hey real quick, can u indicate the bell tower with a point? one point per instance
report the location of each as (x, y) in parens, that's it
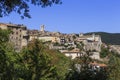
(42, 28)
(93, 35)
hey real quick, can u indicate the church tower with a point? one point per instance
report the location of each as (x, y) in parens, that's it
(42, 28)
(93, 35)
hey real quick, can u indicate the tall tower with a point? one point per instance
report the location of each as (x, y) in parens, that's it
(81, 34)
(93, 35)
(42, 28)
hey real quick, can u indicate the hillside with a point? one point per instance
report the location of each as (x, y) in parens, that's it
(108, 38)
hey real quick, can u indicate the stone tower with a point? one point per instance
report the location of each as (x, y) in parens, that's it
(93, 35)
(81, 34)
(42, 28)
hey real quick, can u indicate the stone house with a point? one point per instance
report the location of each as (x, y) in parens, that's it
(91, 42)
(18, 37)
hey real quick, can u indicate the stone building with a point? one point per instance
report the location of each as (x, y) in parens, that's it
(91, 42)
(115, 48)
(33, 34)
(42, 28)
(18, 37)
(71, 53)
(44, 35)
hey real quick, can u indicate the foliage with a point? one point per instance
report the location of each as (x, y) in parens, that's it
(114, 67)
(80, 45)
(82, 66)
(56, 44)
(82, 70)
(34, 62)
(61, 63)
(8, 58)
(70, 48)
(104, 52)
(38, 62)
(22, 6)
(4, 36)
(74, 37)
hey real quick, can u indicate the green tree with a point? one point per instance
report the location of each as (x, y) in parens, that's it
(4, 36)
(81, 68)
(38, 62)
(34, 62)
(61, 62)
(114, 67)
(8, 58)
(104, 52)
(22, 6)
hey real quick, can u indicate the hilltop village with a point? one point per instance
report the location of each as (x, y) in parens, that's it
(68, 44)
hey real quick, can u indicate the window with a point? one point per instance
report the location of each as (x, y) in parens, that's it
(16, 37)
(20, 36)
(11, 37)
(16, 32)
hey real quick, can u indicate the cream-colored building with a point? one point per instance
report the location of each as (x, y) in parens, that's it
(44, 38)
(115, 48)
(18, 37)
(49, 38)
(43, 35)
(76, 53)
(71, 53)
(95, 55)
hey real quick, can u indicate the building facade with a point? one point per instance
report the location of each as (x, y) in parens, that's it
(91, 42)
(18, 37)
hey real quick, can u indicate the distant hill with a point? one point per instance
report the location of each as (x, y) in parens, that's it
(108, 38)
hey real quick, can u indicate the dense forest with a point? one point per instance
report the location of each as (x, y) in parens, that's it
(108, 38)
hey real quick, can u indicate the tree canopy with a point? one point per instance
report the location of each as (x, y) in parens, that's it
(34, 62)
(22, 6)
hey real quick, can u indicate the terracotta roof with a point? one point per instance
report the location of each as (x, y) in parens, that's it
(99, 64)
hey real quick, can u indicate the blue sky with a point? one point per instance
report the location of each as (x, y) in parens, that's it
(73, 16)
